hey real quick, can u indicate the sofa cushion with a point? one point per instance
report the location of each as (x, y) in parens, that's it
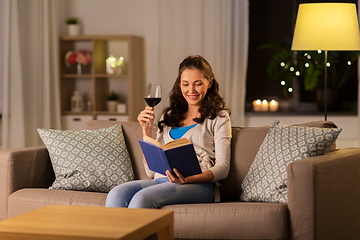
(29, 199)
(232, 220)
(88, 160)
(266, 180)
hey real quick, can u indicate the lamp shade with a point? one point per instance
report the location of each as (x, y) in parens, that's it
(326, 26)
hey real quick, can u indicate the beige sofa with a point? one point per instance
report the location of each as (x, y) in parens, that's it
(323, 192)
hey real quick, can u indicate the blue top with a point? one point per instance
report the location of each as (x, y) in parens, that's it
(178, 132)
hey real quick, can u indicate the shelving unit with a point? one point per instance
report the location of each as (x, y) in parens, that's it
(94, 84)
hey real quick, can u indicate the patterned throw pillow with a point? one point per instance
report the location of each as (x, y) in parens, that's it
(266, 180)
(95, 160)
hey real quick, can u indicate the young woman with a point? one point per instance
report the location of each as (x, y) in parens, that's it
(197, 112)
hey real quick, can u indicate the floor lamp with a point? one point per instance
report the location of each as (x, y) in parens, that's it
(326, 27)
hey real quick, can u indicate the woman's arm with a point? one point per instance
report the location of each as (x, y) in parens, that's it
(222, 139)
(146, 120)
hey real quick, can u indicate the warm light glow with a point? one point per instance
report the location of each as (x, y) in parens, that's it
(292, 69)
(282, 64)
(265, 106)
(273, 106)
(349, 63)
(297, 73)
(257, 105)
(326, 26)
(328, 64)
(111, 60)
(290, 89)
(282, 83)
(307, 65)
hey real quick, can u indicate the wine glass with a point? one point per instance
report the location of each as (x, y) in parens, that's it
(152, 95)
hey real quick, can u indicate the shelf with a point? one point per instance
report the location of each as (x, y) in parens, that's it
(111, 76)
(76, 75)
(110, 113)
(308, 113)
(121, 76)
(76, 113)
(96, 84)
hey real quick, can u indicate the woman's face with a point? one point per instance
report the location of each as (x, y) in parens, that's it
(194, 86)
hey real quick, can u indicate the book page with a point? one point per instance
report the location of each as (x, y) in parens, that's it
(176, 143)
(173, 144)
(152, 141)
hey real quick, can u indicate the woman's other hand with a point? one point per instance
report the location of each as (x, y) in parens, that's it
(180, 179)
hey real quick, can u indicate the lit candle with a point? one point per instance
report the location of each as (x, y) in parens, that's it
(265, 106)
(257, 105)
(273, 106)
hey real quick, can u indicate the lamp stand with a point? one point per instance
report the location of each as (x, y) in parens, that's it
(325, 105)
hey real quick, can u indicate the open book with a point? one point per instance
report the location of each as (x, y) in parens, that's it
(179, 154)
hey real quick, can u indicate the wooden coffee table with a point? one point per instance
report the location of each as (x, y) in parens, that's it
(83, 222)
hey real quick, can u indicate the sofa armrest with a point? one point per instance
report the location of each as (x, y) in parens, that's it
(23, 168)
(324, 196)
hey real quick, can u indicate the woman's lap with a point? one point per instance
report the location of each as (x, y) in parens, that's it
(157, 193)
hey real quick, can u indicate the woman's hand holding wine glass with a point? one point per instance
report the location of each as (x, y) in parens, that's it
(152, 98)
(146, 116)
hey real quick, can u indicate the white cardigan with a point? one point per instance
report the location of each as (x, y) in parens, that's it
(212, 143)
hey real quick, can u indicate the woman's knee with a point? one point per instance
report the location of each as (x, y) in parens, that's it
(116, 198)
(143, 200)
(121, 195)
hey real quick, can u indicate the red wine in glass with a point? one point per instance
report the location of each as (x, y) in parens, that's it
(152, 102)
(152, 95)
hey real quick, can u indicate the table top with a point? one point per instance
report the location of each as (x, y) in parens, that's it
(75, 222)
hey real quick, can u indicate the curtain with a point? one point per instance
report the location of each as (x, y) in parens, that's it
(30, 74)
(215, 29)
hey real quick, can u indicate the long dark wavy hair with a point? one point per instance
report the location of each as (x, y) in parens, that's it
(211, 105)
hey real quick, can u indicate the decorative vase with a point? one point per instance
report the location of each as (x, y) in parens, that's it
(112, 106)
(77, 102)
(73, 29)
(79, 68)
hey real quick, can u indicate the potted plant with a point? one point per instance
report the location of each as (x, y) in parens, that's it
(285, 65)
(73, 26)
(112, 101)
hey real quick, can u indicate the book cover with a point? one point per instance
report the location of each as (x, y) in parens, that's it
(181, 155)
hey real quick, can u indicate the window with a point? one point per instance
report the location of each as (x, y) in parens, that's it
(273, 22)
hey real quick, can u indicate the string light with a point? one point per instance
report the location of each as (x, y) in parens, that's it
(292, 69)
(282, 64)
(307, 65)
(297, 73)
(290, 89)
(282, 83)
(319, 51)
(328, 64)
(349, 63)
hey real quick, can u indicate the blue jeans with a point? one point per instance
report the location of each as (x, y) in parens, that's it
(157, 193)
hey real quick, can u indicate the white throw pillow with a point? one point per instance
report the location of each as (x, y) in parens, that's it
(88, 160)
(266, 180)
